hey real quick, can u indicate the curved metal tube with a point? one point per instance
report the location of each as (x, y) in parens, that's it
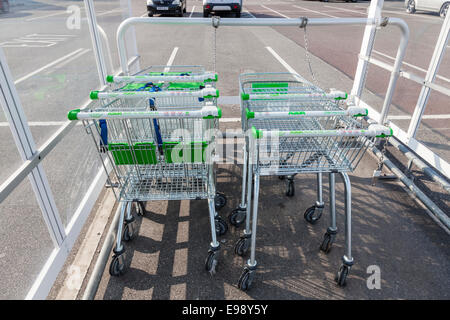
(123, 27)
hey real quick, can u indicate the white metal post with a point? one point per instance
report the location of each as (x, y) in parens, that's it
(366, 50)
(433, 68)
(131, 38)
(9, 99)
(96, 41)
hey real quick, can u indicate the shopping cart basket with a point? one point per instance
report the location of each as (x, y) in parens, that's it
(181, 169)
(300, 129)
(166, 87)
(282, 92)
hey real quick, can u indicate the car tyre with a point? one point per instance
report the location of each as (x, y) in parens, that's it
(411, 6)
(444, 10)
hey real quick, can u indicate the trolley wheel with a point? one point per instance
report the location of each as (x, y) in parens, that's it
(129, 231)
(242, 246)
(221, 226)
(140, 208)
(327, 242)
(238, 216)
(309, 215)
(220, 200)
(246, 279)
(211, 262)
(342, 274)
(117, 266)
(290, 189)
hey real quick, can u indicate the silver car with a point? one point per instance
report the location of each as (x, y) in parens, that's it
(440, 6)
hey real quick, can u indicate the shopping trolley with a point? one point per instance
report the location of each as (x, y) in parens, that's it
(181, 169)
(296, 128)
(269, 92)
(167, 87)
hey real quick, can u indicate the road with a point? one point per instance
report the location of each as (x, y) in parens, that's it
(54, 69)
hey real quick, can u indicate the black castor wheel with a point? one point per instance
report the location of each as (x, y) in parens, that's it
(290, 191)
(342, 275)
(220, 200)
(117, 266)
(237, 216)
(246, 279)
(211, 262)
(140, 208)
(309, 214)
(221, 226)
(129, 231)
(327, 242)
(242, 246)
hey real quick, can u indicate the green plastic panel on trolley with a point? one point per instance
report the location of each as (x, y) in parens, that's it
(280, 87)
(144, 153)
(174, 152)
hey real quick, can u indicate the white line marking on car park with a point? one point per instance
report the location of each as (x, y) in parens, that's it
(275, 11)
(192, 11)
(46, 16)
(410, 65)
(171, 58)
(35, 40)
(248, 12)
(116, 10)
(74, 57)
(342, 9)
(41, 123)
(51, 64)
(318, 12)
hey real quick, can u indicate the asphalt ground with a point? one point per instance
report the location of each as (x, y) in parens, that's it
(47, 95)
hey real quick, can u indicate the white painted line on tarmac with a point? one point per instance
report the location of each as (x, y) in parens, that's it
(342, 9)
(425, 116)
(73, 58)
(409, 64)
(192, 11)
(248, 12)
(171, 58)
(45, 16)
(281, 60)
(230, 120)
(275, 11)
(41, 123)
(51, 64)
(318, 12)
(110, 11)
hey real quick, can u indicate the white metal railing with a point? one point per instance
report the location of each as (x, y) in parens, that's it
(407, 138)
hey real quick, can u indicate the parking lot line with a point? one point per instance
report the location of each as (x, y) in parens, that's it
(314, 11)
(192, 11)
(342, 9)
(172, 57)
(51, 64)
(45, 16)
(275, 11)
(248, 12)
(409, 64)
(281, 60)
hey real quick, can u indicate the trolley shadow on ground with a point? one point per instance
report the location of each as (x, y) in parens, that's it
(389, 231)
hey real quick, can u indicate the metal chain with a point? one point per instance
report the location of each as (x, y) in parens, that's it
(308, 58)
(215, 23)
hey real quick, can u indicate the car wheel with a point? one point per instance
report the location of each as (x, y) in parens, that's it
(444, 10)
(150, 14)
(205, 14)
(411, 7)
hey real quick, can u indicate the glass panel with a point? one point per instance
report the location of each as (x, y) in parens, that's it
(49, 52)
(434, 130)
(25, 243)
(71, 168)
